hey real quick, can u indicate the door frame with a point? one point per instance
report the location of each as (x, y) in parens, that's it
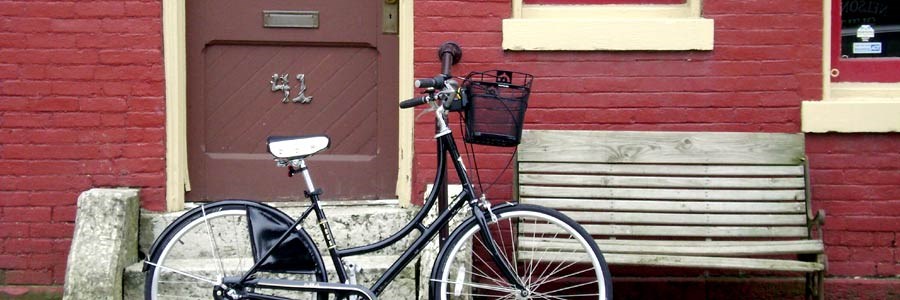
(175, 65)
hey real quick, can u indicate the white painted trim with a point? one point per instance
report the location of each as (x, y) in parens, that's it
(174, 61)
(406, 118)
(608, 34)
(607, 27)
(851, 116)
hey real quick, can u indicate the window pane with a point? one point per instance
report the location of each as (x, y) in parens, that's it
(870, 28)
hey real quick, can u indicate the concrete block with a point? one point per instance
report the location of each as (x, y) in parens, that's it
(105, 242)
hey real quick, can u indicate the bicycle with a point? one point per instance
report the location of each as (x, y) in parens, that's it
(274, 259)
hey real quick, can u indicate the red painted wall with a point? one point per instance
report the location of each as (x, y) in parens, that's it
(81, 106)
(766, 61)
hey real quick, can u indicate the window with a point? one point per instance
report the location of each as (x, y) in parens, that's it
(617, 25)
(865, 40)
(863, 92)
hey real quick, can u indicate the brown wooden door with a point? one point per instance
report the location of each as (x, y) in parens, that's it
(350, 70)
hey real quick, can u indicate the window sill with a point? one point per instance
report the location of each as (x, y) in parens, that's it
(617, 28)
(855, 107)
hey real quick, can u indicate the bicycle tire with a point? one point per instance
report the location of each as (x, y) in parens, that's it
(209, 243)
(463, 270)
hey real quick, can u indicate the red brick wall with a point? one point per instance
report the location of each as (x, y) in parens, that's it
(856, 179)
(766, 61)
(81, 106)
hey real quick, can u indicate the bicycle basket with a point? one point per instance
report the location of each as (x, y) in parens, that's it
(496, 107)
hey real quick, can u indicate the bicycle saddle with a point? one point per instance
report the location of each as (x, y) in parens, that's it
(296, 147)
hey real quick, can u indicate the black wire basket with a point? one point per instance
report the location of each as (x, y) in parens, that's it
(497, 101)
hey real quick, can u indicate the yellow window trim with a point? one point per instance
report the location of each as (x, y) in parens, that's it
(607, 27)
(848, 106)
(854, 107)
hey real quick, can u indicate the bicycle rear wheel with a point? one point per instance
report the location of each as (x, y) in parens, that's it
(569, 267)
(203, 247)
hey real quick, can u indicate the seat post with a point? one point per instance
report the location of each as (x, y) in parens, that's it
(305, 171)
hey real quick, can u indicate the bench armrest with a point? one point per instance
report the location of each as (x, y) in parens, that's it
(815, 224)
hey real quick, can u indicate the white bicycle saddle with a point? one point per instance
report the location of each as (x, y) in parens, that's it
(297, 147)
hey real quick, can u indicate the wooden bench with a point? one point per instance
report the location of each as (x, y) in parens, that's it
(715, 200)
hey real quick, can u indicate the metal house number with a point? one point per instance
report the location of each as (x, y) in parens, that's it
(282, 83)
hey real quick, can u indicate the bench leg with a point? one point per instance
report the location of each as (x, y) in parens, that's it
(815, 281)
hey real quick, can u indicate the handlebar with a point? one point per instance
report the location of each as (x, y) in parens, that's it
(449, 54)
(414, 102)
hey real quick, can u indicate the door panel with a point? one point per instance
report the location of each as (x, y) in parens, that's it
(350, 70)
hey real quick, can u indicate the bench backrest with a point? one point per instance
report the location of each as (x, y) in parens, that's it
(676, 185)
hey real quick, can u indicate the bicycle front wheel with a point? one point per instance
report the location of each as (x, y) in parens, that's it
(553, 256)
(202, 248)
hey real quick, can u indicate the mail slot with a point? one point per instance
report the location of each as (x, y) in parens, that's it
(290, 19)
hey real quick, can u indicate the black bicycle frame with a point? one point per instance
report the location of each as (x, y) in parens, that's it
(446, 145)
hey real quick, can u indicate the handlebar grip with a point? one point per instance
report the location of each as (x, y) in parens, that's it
(436, 82)
(414, 102)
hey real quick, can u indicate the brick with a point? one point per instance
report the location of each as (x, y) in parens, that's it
(143, 9)
(51, 40)
(13, 198)
(132, 25)
(30, 277)
(25, 88)
(75, 25)
(140, 165)
(114, 135)
(51, 152)
(887, 269)
(143, 150)
(13, 230)
(45, 261)
(27, 25)
(145, 135)
(75, 72)
(48, 9)
(143, 180)
(52, 230)
(26, 214)
(12, 40)
(100, 9)
(8, 71)
(55, 198)
(64, 213)
(25, 120)
(76, 120)
(53, 104)
(131, 57)
(872, 254)
(837, 253)
(840, 268)
(13, 262)
(145, 119)
(104, 104)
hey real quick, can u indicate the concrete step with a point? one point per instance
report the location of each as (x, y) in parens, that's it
(353, 223)
(372, 267)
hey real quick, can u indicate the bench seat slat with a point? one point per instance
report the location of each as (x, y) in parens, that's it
(670, 206)
(662, 182)
(679, 231)
(694, 248)
(668, 194)
(694, 262)
(659, 169)
(584, 217)
(661, 147)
